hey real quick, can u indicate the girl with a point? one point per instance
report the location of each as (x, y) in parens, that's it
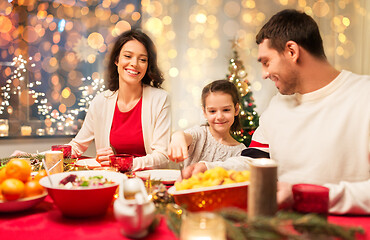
(213, 141)
(133, 116)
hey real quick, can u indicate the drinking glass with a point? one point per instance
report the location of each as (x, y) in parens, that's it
(121, 162)
(66, 149)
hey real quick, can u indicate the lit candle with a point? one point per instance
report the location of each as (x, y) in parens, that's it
(202, 226)
(26, 130)
(4, 127)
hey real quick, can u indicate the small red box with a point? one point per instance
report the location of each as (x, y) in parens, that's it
(310, 198)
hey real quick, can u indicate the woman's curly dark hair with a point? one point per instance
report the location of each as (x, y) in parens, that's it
(153, 75)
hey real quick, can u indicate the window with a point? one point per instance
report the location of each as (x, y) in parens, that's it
(52, 61)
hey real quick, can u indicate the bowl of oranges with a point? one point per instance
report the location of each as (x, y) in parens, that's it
(19, 190)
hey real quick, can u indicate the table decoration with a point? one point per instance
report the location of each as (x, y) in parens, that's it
(36, 162)
(133, 209)
(284, 225)
(262, 188)
(310, 198)
(202, 225)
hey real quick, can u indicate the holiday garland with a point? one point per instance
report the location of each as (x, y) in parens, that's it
(284, 225)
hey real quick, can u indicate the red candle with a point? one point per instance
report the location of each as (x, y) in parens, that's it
(310, 198)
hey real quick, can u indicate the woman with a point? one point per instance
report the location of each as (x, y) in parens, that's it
(133, 116)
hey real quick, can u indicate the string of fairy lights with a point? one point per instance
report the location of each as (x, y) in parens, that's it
(13, 89)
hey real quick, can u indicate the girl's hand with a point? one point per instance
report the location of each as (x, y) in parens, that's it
(193, 169)
(178, 148)
(102, 154)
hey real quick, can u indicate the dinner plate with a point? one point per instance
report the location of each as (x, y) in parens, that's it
(88, 162)
(166, 176)
(21, 204)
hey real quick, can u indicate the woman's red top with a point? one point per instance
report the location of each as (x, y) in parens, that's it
(126, 134)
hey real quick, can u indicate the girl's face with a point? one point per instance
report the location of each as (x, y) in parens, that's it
(219, 110)
(132, 62)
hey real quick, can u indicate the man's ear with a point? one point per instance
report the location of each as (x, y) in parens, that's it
(292, 50)
(237, 109)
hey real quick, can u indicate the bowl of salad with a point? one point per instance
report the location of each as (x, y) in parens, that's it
(83, 193)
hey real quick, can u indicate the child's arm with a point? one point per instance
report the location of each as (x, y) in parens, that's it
(178, 148)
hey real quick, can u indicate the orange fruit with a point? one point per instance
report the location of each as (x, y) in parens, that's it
(19, 169)
(33, 188)
(2, 174)
(39, 175)
(12, 188)
(1, 195)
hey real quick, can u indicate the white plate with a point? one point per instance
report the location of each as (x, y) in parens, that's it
(166, 176)
(88, 162)
(21, 204)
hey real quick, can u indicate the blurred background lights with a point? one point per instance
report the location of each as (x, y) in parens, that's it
(67, 42)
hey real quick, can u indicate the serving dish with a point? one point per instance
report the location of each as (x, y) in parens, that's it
(212, 198)
(83, 202)
(21, 204)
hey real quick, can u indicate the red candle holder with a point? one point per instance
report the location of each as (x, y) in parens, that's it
(310, 198)
(121, 162)
(66, 149)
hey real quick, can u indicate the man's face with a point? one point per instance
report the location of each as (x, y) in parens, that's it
(278, 67)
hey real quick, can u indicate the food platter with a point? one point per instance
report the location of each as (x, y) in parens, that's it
(166, 176)
(21, 204)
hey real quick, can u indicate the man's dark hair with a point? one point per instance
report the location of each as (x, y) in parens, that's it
(292, 25)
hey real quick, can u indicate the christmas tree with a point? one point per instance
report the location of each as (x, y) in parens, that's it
(248, 116)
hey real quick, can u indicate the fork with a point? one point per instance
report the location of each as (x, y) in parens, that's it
(181, 166)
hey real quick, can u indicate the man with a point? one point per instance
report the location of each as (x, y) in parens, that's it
(317, 127)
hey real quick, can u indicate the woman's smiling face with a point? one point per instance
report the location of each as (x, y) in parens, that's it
(132, 62)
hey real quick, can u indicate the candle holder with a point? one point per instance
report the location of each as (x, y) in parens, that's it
(202, 225)
(4, 128)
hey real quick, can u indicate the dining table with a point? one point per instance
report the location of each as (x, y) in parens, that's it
(45, 222)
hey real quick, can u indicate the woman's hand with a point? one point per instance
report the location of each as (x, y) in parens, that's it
(102, 154)
(17, 153)
(178, 148)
